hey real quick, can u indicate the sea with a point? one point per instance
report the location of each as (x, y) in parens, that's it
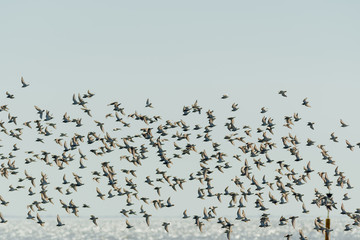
(179, 229)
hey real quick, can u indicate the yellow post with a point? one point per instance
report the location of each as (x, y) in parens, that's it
(327, 225)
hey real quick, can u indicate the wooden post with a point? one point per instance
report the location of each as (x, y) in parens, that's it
(327, 225)
(329, 202)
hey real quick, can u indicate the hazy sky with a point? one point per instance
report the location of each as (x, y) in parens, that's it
(177, 52)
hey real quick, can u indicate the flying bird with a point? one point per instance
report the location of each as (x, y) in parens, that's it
(24, 84)
(59, 223)
(166, 226)
(311, 125)
(305, 102)
(128, 225)
(9, 95)
(349, 146)
(94, 219)
(41, 222)
(333, 137)
(283, 93)
(3, 220)
(148, 104)
(343, 124)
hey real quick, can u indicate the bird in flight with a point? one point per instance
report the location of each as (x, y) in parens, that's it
(24, 84)
(59, 223)
(283, 93)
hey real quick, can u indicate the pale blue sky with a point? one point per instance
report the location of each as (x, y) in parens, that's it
(177, 52)
(166, 41)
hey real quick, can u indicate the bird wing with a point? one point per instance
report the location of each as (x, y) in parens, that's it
(239, 213)
(58, 219)
(148, 220)
(342, 207)
(303, 207)
(293, 222)
(74, 99)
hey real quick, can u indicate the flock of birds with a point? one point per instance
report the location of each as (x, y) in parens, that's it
(157, 132)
